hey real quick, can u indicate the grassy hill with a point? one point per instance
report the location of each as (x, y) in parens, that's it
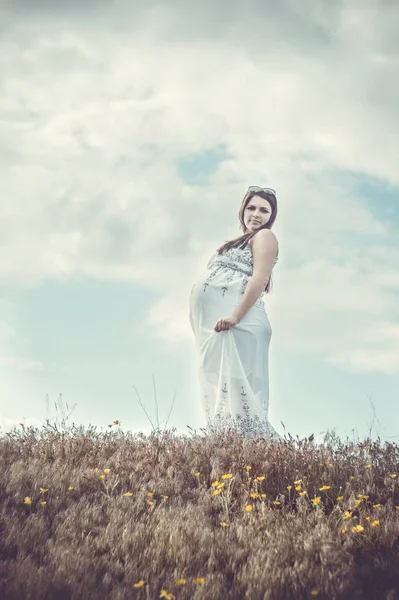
(117, 515)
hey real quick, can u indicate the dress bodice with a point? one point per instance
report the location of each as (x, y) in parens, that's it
(238, 259)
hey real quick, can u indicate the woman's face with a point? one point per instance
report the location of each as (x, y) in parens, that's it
(257, 212)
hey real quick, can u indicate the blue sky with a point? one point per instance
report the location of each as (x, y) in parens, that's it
(127, 146)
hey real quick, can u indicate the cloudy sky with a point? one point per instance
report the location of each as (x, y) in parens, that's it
(129, 133)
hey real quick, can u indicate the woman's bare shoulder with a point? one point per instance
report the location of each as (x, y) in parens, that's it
(251, 241)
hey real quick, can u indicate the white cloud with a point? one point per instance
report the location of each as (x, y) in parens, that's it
(20, 364)
(93, 123)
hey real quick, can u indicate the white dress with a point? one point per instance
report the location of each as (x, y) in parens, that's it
(233, 368)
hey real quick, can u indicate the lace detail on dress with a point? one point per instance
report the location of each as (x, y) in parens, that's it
(248, 424)
(231, 263)
(239, 259)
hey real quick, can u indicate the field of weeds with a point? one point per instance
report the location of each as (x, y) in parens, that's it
(118, 515)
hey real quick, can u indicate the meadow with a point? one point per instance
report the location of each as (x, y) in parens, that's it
(111, 514)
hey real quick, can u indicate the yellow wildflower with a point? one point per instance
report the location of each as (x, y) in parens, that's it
(316, 500)
(254, 495)
(197, 474)
(43, 502)
(325, 487)
(393, 475)
(375, 523)
(199, 580)
(368, 466)
(139, 584)
(27, 500)
(339, 498)
(128, 494)
(260, 478)
(223, 524)
(150, 494)
(227, 476)
(298, 481)
(107, 471)
(102, 476)
(357, 528)
(248, 507)
(70, 488)
(43, 490)
(181, 582)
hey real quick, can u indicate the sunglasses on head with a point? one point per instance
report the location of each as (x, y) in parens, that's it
(256, 188)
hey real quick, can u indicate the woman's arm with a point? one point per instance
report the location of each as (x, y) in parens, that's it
(250, 296)
(264, 250)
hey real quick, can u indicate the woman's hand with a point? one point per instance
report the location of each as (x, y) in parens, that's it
(225, 323)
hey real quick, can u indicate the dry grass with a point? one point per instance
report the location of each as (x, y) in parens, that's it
(120, 515)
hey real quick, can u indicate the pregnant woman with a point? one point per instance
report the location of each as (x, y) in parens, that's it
(231, 327)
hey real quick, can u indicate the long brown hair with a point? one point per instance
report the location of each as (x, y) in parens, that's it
(242, 241)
